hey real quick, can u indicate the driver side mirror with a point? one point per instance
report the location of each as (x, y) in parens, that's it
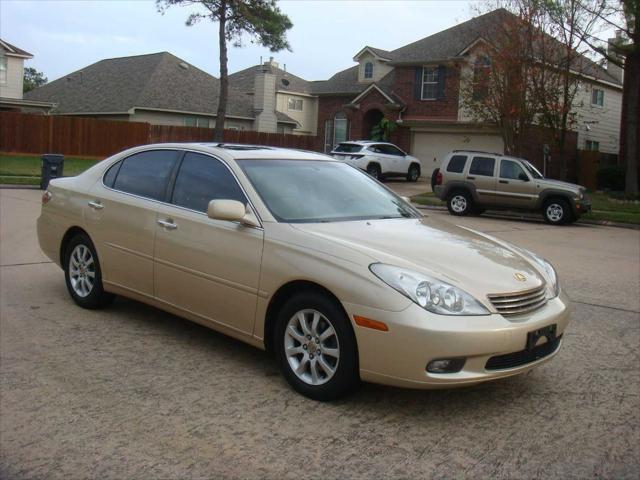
(523, 177)
(232, 211)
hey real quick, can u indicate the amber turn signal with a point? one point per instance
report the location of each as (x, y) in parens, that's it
(368, 323)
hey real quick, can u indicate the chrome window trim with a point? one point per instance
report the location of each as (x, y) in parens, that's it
(182, 150)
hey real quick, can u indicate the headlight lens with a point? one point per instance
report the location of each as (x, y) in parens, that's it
(431, 294)
(553, 287)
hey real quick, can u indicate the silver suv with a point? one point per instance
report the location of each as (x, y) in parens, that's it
(471, 182)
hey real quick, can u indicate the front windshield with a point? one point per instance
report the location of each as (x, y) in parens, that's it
(310, 191)
(535, 173)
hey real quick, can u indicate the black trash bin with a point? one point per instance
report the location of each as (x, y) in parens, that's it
(52, 167)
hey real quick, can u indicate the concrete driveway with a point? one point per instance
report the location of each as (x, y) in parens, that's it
(133, 392)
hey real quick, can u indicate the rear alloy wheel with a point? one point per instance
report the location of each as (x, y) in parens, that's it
(556, 211)
(316, 347)
(414, 173)
(460, 204)
(373, 169)
(83, 275)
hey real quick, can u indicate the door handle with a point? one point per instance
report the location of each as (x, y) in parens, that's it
(96, 205)
(471, 178)
(503, 181)
(168, 224)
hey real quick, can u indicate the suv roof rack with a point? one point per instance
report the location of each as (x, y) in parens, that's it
(479, 151)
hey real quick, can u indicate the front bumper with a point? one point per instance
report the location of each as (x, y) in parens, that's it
(399, 357)
(581, 206)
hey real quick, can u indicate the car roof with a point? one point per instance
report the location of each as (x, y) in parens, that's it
(242, 151)
(364, 142)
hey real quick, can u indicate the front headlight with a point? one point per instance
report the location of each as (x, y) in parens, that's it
(430, 293)
(553, 287)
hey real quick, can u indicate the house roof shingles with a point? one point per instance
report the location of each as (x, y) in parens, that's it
(13, 50)
(244, 79)
(156, 81)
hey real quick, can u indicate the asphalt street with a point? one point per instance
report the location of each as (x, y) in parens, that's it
(133, 392)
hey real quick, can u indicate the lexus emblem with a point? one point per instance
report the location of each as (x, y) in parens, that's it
(520, 277)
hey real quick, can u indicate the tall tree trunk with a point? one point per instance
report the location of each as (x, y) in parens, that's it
(630, 109)
(221, 116)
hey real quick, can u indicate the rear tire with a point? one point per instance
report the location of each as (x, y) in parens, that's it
(414, 173)
(83, 274)
(557, 211)
(316, 347)
(460, 203)
(373, 169)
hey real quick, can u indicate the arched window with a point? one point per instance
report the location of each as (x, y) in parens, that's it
(481, 74)
(368, 70)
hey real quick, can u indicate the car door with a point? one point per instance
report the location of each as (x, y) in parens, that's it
(399, 163)
(121, 217)
(384, 160)
(481, 174)
(515, 187)
(206, 267)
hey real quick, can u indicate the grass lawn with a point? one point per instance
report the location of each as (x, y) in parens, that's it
(604, 207)
(25, 169)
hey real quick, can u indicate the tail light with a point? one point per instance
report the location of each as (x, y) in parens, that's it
(46, 197)
(439, 178)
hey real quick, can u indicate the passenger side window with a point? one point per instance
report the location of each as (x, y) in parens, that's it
(457, 163)
(146, 174)
(202, 178)
(391, 150)
(510, 169)
(482, 166)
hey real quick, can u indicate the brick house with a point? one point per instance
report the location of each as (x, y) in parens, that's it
(418, 86)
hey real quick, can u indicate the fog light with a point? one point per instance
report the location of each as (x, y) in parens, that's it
(446, 365)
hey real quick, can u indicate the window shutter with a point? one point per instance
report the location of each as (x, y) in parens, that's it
(417, 87)
(442, 79)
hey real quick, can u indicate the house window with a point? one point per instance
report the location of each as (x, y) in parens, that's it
(3, 70)
(339, 128)
(295, 104)
(368, 70)
(429, 83)
(592, 145)
(481, 71)
(597, 97)
(196, 122)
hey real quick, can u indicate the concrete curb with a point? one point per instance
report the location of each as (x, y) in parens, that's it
(9, 186)
(531, 218)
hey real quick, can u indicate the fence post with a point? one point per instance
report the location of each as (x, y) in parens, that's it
(50, 139)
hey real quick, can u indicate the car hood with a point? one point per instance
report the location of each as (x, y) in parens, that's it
(467, 259)
(546, 182)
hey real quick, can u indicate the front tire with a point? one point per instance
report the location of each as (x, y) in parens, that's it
(414, 173)
(460, 203)
(373, 169)
(557, 211)
(83, 274)
(316, 347)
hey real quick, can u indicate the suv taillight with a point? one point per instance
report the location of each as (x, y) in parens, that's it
(46, 197)
(439, 178)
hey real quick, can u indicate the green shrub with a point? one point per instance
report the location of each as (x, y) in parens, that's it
(611, 178)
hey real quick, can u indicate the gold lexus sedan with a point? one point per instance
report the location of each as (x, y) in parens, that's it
(307, 257)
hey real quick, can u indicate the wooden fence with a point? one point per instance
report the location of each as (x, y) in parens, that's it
(29, 133)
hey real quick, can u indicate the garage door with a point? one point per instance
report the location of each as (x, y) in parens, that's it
(431, 148)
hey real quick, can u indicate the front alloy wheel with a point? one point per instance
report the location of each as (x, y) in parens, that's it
(557, 211)
(312, 347)
(315, 345)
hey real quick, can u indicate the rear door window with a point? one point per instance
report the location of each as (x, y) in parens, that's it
(483, 166)
(146, 173)
(457, 163)
(202, 178)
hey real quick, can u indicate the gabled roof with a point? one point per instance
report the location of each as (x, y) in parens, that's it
(285, 81)
(377, 52)
(14, 51)
(159, 81)
(346, 83)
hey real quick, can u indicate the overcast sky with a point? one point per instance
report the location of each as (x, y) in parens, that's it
(65, 36)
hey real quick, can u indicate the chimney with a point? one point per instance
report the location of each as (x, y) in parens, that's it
(613, 69)
(264, 102)
(272, 63)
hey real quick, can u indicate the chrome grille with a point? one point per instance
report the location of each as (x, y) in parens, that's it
(519, 302)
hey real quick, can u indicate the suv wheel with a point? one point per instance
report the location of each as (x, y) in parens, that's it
(556, 211)
(373, 169)
(460, 203)
(316, 347)
(414, 173)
